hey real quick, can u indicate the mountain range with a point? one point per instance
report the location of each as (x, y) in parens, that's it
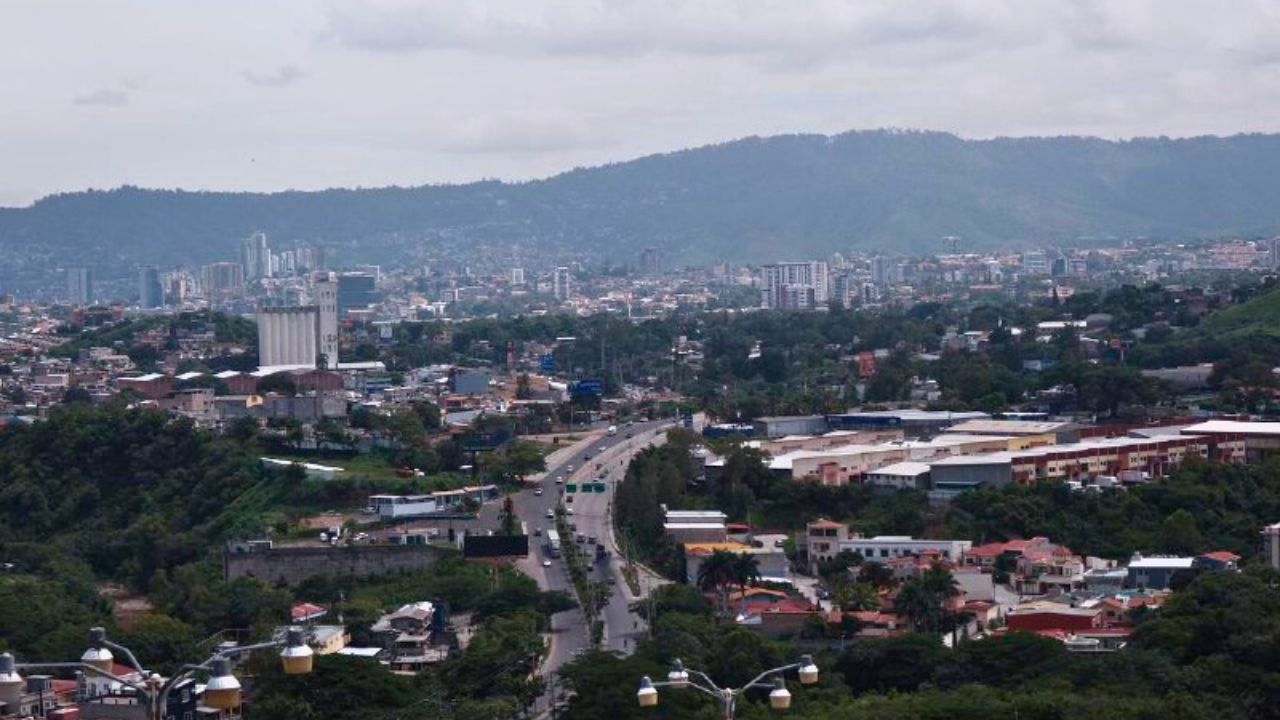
(755, 199)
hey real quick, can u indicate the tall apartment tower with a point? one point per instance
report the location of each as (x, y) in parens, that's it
(560, 283)
(150, 291)
(255, 256)
(796, 285)
(80, 286)
(517, 276)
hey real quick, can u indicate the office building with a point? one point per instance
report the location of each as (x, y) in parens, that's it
(80, 286)
(795, 285)
(356, 291)
(560, 284)
(255, 256)
(150, 291)
(517, 276)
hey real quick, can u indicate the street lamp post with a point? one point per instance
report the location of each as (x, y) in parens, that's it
(222, 691)
(680, 677)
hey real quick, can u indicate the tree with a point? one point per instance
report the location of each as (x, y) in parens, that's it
(717, 572)
(279, 383)
(523, 390)
(1179, 534)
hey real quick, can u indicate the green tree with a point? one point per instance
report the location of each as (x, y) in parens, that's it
(1179, 534)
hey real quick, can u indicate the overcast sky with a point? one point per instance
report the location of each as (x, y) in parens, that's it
(275, 94)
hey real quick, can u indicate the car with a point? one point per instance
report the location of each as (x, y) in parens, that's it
(568, 511)
(537, 532)
(567, 468)
(591, 539)
(546, 563)
(629, 435)
(551, 514)
(537, 491)
(586, 457)
(568, 499)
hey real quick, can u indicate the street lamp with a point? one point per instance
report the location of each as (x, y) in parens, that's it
(779, 697)
(223, 691)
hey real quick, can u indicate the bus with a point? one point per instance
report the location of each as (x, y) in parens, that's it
(553, 543)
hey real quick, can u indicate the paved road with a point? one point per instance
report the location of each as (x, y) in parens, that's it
(583, 461)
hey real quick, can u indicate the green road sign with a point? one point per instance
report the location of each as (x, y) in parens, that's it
(571, 488)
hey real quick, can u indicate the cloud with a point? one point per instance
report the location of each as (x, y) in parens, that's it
(102, 98)
(286, 74)
(512, 134)
(777, 33)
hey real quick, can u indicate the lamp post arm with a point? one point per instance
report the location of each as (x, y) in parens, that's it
(756, 682)
(162, 703)
(232, 652)
(83, 666)
(133, 660)
(717, 693)
(705, 678)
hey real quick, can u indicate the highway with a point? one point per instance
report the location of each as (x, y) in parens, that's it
(584, 461)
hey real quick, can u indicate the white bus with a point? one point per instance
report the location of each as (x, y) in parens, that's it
(553, 543)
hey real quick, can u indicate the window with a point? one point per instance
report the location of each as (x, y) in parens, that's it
(884, 552)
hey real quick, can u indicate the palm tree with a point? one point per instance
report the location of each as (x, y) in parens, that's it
(746, 571)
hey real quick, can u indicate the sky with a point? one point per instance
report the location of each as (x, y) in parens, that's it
(305, 94)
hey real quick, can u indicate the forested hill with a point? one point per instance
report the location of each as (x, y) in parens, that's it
(752, 199)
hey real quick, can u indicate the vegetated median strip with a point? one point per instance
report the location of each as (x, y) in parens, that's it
(582, 586)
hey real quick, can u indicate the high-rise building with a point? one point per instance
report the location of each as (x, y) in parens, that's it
(561, 284)
(785, 283)
(222, 280)
(80, 286)
(880, 270)
(150, 291)
(649, 260)
(517, 276)
(1275, 253)
(356, 291)
(255, 256)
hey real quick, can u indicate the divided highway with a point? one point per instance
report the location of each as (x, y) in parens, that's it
(598, 456)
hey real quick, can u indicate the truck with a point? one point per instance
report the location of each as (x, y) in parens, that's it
(613, 430)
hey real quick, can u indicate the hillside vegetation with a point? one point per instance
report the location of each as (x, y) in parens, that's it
(752, 199)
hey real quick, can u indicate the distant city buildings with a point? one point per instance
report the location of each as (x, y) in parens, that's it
(649, 260)
(356, 291)
(255, 256)
(222, 281)
(517, 276)
(795, 285)
(561, 284)
(80, 286)
(150, 291)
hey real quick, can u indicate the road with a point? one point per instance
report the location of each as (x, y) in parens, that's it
(586, 460)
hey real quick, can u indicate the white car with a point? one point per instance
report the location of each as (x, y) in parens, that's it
(551, 514)
(559, 479)
(568, 511)
(546, 563)
(537, 491)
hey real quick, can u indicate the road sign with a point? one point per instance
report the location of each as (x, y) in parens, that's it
(547, 363)
(571, 488)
